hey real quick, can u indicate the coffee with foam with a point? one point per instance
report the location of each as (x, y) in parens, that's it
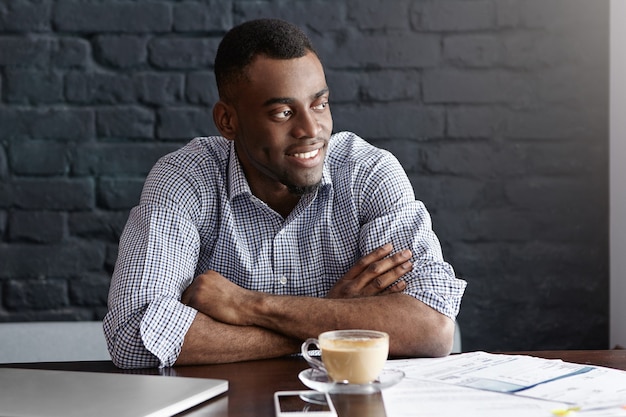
(352, 356)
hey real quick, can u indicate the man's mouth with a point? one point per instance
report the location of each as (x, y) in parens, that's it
(306, 155)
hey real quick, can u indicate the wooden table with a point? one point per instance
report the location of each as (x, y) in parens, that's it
(252, 384)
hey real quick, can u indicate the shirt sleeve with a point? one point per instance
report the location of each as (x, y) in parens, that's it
(390, 213)
(146, 322)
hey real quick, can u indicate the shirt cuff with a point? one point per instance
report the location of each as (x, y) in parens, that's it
(163, 329)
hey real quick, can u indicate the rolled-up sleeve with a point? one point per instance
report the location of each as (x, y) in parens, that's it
(146, 322)
(390, 213)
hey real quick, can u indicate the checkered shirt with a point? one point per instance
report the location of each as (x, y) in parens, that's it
(197, 213)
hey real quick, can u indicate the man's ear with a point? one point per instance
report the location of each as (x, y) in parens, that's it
(225, 119)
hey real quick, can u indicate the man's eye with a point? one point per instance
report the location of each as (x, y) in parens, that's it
(283, 114)
(321, 106)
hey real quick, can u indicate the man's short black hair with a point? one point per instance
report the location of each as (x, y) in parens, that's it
(274, 38)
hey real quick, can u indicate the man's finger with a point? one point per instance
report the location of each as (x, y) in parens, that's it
(392, 265)
(382, 283)
(367, 260)
(395, 288)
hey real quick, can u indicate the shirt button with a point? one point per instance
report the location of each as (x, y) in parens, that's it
(283, 280)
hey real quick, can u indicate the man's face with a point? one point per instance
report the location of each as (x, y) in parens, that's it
(283, 124)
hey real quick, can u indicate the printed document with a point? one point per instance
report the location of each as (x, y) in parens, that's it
(485, 384)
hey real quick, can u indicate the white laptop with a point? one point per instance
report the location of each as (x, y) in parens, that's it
(35, 392)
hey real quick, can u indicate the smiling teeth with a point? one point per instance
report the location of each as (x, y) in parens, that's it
(307, 155)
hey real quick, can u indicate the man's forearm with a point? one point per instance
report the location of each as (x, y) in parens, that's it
(209, 341)
(415, 329)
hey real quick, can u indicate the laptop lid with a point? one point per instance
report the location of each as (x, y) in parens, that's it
(36, 392)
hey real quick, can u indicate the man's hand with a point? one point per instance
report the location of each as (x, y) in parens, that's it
(374, 274)
(217, 297)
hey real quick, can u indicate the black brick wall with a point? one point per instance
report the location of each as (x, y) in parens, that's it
(498, 110)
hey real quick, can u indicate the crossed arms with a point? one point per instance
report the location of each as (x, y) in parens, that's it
(234, 324)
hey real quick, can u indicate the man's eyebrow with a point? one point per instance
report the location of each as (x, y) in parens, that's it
(322, 92)
(278, 100)
(289, 100)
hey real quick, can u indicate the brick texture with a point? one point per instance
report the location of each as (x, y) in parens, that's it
(497, 109)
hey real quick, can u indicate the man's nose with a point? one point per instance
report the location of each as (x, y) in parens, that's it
(307, 125)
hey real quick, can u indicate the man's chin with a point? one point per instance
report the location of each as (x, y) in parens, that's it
(303, 189)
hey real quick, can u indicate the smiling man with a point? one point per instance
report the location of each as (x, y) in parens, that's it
(245, 244)
(280, 122)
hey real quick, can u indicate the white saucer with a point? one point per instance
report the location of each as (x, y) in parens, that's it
(319, 381)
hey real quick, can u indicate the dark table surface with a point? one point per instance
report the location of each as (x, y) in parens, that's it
(252, 384)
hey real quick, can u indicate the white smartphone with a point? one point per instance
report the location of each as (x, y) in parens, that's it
(301, 403)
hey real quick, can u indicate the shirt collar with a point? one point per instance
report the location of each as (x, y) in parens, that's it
(237, 183)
